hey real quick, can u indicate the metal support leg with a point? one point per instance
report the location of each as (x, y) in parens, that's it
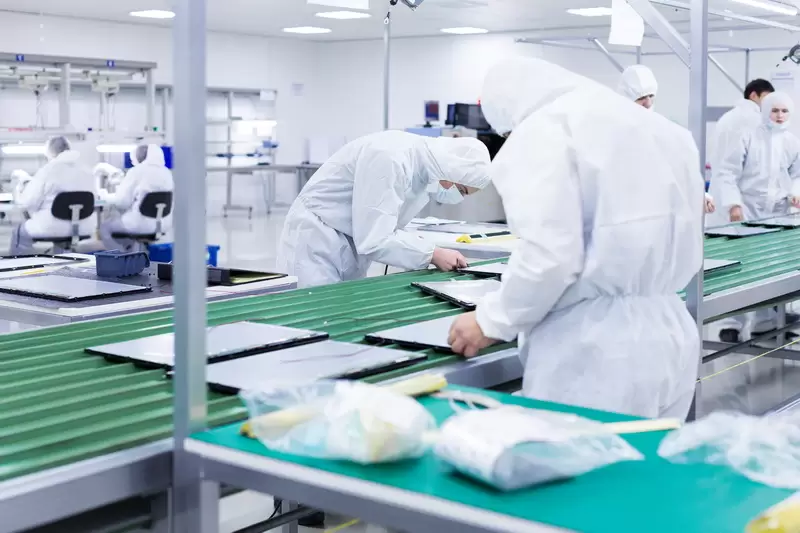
(194, 502)
(387, 34)
(64, 96)
(638, 55)
(698, 99)
(164, 109)
(286, 507)
(781, 323)
(747, 66)
(150, 101)
(603, 50)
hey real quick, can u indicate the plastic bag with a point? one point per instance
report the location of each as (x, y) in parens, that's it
(340, 420)
(764, 449)
(512, 447)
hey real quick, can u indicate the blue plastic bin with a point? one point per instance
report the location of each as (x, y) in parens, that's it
(162, 253)
(118, 264)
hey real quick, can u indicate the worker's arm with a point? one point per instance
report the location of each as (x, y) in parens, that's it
(379, 191)
(32, 195)
(794, 170)
(727, 173)
(542, 200)
(125, 194)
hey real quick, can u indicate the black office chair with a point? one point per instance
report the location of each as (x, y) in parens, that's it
(155, 205)
(73, 207)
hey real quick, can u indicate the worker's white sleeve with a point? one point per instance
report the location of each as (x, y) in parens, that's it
(32, 194)
(726, 176)
(542, 199)
(380, 188)
(794, 167)
(709, 198)
(124, 196)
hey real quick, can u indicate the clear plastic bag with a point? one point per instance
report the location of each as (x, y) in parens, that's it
(340, 420)
(512, 447)
(764, 449)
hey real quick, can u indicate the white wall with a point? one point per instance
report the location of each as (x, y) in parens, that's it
(233, 61)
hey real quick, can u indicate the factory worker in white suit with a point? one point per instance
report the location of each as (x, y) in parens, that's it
(607, 201)
(355, 208)
(62, 173)
(149, 174)
(638, 83)
(758, 178)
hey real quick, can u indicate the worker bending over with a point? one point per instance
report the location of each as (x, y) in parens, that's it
(759, 178)
(149, 174)
(606, 199)
(638, 83)
(62, 173)
(354, 209)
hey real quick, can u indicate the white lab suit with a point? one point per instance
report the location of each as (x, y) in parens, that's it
(607, 200)
(636, 82)
(759, 172)
(151, 175)
(62, 174)
(354, 209)
(762, 170)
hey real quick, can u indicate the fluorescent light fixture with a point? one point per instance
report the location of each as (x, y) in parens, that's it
(153, 14)
(23, 149)
(343, 15)
(343, 4)
(115, 148)
(464, 31)
(591, 11)
(307, 30)
(775, 7)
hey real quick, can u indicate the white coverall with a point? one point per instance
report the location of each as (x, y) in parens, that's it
(759, 172)
(637, 81)
(607, 200)
(354, 209)
(64, 173)
(150, 175)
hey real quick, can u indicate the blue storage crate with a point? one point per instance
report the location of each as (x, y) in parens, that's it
(118, 264)
(162, 253)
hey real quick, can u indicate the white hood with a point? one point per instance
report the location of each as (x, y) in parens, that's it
(517, 87)
(462, 160)
(637, 82)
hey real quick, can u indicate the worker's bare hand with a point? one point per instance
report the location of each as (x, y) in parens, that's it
(466, 336)
(795, 201)
(710, 207)
(736, 214)
(448, 260)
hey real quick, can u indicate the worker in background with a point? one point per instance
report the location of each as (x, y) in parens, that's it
(149, 174)
(354, 209)
(605, 198)
(638, 83)
(758, 178)
(62, 173)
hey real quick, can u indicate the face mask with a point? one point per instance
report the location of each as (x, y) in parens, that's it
(448, 196)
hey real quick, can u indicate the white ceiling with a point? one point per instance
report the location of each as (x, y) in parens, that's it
(268, 17)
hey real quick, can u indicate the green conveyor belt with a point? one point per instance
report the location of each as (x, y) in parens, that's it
(59, 405)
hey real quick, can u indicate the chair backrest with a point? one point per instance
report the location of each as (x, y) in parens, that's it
(64, 202)
(153, 200)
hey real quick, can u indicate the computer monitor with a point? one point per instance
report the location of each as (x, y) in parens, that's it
(432, 111)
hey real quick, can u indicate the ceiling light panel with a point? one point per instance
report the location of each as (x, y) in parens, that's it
(153, 14)
(775, 7)
(591, 11)
(344, 4)
(343, 15)
(464, 31)
(307, 30)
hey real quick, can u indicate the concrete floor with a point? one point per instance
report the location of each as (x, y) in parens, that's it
(752, 387)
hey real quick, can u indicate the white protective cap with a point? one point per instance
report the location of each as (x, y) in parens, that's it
(462, 160)
(637, 82)
(55, 146)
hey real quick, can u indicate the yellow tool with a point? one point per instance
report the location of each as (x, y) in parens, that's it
(293, 416)
(781, 518)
